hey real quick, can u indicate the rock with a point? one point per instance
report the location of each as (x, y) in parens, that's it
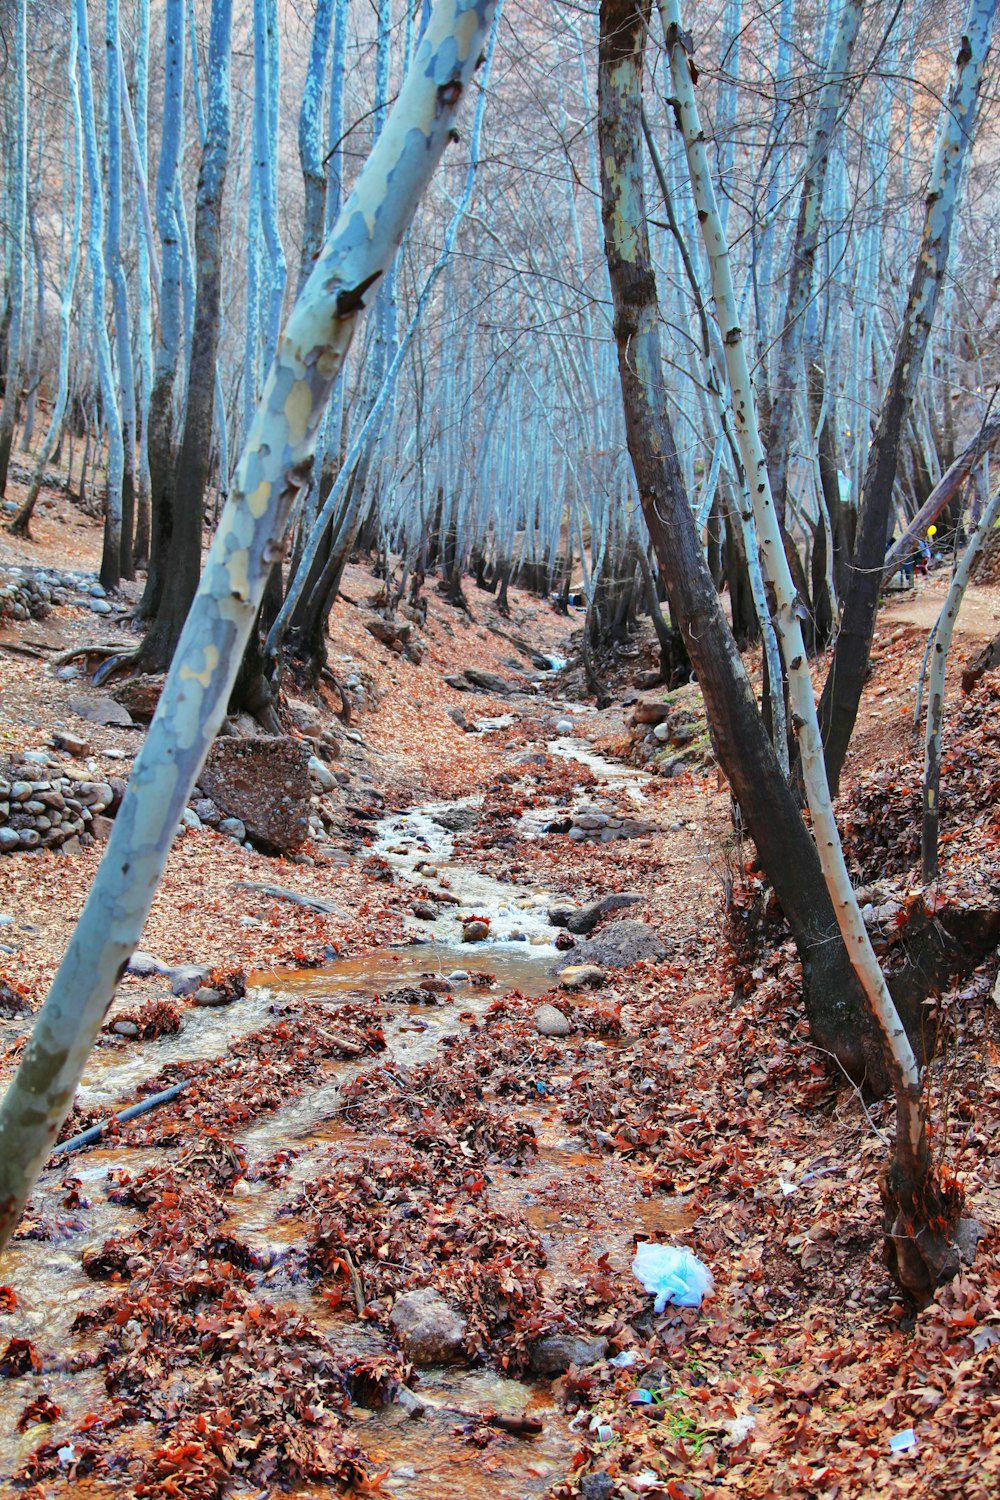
(140, 695)
(457, 717)
(428, 1328)
(187, 978)
(560, 914)
(646, 680)
(590, 820)
(321, 774)
(458, 683)
(21, 791)
(475, 932)
(622, 943)
(424, 911)
(647, 711)
(265, 784)
(550, 1021)
(597, 1486)
(555, 1354)
(488, 682)
(580, 976)
(564, 726)
(125, 1028)
(190, 818)
(71, 743)
(392, 633)
(9, 839)
(233, 828)
(435, 986)
(457, 819)
(207, 996)
(207, 811)
(584, 918)
(100, 710)
(145, 964)
(101, 827)
(100, 606)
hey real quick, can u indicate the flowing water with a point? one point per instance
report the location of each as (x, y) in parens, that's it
(426, 1457)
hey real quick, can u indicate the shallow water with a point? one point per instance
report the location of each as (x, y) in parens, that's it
(571, 1197)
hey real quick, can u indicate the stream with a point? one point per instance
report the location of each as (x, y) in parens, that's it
(424, 1459)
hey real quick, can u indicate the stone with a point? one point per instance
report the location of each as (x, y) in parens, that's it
(488, 682)
(207, 811)
(187, 978)
(598, 1486)
(424, 911)
(71, 743)
(103, 711)
(554, 1355)
(560, 914)
(125, 1028)
(621, 943)
(584, 918)
(207, 996)
(101, 827)
(458, 683)
(29, 838)
(392, 633)
(190, 818)
(321, 774)
(428, 1328)
(234, 828)
(100, 606)
(139, 696)
(647, 711)
(475, 932)
(564, 726)
(9, 839)
(550, 1021)
(648, 679)
(145, 964)
(71, 845)
(457, 717)
(457, 819)
(580, 976)
(21, 791)
(265, 784)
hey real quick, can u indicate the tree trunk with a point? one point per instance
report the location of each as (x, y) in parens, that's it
(190, 482)
(834, 998)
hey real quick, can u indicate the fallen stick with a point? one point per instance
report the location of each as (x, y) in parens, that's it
(279, 893)
(93, 1134)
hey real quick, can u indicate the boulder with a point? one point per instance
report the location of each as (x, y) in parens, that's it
(621, 943)
(321, 774)
(554, 1355)
(488, 682)
(475, 932)
(428, 1328)
(265, 784)
(187, 978)
(647, 711)
(457, 819)
(71, 743)
(550, 1021)
(584, 918)
(580, 976)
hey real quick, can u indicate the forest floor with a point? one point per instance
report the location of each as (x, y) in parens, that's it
(202, 1304)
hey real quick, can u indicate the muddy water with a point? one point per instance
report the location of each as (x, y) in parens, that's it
(572, 1199)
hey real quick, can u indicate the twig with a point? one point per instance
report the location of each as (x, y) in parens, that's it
(861, 1098)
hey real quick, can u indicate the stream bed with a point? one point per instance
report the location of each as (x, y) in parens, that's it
(423, 1459)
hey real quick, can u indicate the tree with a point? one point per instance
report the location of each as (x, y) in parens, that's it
(956, 130)
(190, 481)
(273, 470)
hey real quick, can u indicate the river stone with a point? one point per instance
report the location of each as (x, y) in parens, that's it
(208, 997)
(555, 1354)
(233, 828)
(564, 726)
(429, 1329)
(580, 976)
(125, 1028)
(321, 774)
(265, 784)
(457, 819)
(550, 1021)
(621, 943)
(582, 919)
(187, 978)
(424, 911)
(475, 932)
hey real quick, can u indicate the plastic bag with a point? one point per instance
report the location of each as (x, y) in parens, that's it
(673, 1273)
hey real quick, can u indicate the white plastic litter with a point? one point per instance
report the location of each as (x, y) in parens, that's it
(673, 1274)
(901, 1441)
